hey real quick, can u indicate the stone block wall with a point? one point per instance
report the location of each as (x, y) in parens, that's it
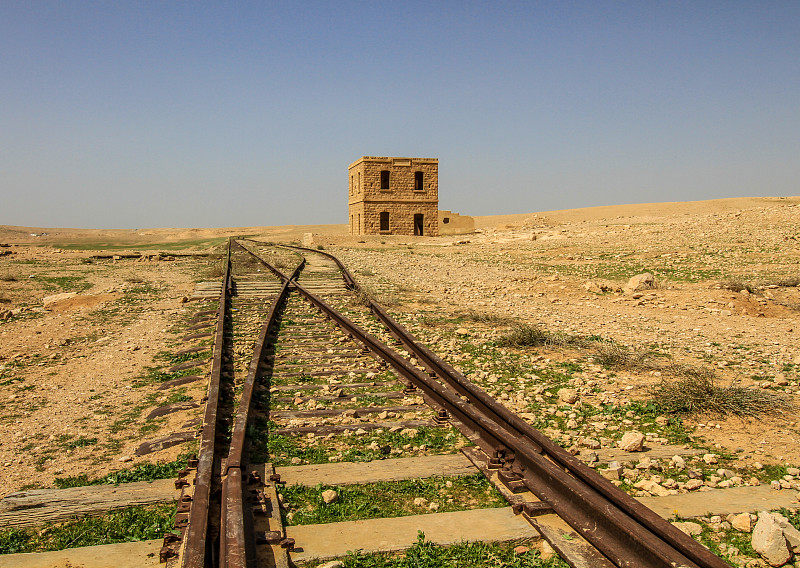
(413, 191)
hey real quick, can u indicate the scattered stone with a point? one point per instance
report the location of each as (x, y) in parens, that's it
(420, 501)
(329, 496)
(547, 551)
(678, 462)
(710, 458)
(632, 442)
(125, 459)
(296, 461)
(644, 281)
(688, 527)
(332, 564)
(693, 484)
(741, 522)
(521, 549)
(568, 396)
(791, 534)
(49, 301)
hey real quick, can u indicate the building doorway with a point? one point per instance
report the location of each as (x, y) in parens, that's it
(419, 226)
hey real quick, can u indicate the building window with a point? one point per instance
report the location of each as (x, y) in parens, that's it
(385, 179)
(418, 181)
(446, 220)
(385, 220)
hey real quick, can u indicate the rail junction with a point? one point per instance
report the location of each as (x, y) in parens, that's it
(279, 311)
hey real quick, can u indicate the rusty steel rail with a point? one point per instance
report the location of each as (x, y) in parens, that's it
(237, 543)
(625, 531)
(198, 547)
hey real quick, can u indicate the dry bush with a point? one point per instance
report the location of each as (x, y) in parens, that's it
(699, 394)
(738, 286)
(528, 335)
(614, 356)
(7, 278)
(483, 317)
(365, 295)
(524, 335)
(216, 270)
(788, 282)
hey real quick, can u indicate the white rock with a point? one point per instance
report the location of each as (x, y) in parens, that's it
(48, 301)
(741, 522)
(768, 540)
(644, 281)
(678, 462)
(693, 484)
(329, 496)
(692, 529)
(568, 396)
(632, 442)
(791, 534)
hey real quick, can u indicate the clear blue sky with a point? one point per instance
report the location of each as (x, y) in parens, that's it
(177, 114)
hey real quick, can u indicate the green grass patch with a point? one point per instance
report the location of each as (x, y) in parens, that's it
(304, 505)
(128, 525)
(64, 283)
(371, 446)
(142, 472)
(426, 554)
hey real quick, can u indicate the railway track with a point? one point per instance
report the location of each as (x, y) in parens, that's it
(294, 359)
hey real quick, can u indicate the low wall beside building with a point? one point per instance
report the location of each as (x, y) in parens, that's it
(454, 224)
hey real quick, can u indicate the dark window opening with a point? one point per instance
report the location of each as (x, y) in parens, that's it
(419, 229)
(446, 220)
(385, 179)
(418, 181)
(385, 220)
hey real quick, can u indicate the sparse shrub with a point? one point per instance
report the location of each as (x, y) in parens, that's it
(7, 278)
(364, 296)
(612, 355)
(699, 394)
(738, 286)
(788, 281)
(528, 335)
(217, 269)
(484, 317)
(524, 335)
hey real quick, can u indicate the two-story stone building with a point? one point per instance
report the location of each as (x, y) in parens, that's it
(394, 196)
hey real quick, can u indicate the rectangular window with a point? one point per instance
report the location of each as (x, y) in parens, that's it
(384, 179)
(385, 221)
(418, 181)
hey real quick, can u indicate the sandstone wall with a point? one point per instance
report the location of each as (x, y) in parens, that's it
(454, 224)
(402, 199)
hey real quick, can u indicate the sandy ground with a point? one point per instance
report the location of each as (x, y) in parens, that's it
(69, 400)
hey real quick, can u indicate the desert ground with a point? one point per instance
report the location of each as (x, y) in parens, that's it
(724, 302)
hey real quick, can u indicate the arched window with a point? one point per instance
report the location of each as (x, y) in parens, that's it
(384, 221)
